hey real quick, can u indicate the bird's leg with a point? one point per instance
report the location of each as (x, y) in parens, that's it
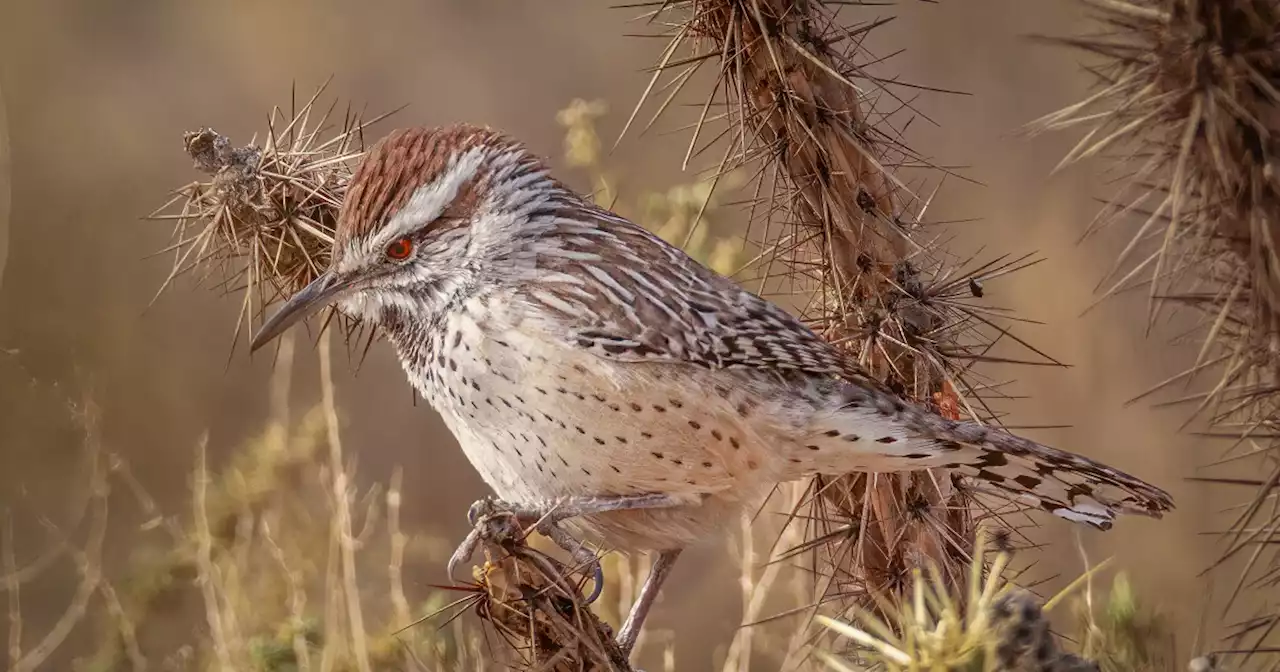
(485, 516)
(644, 601)
(584, 557)
(573, 507)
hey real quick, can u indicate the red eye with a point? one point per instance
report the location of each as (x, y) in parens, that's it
(400, 249)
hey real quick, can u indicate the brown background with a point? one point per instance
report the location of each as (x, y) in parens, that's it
(99, 93)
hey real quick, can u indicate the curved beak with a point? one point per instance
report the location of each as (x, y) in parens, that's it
(320, 293)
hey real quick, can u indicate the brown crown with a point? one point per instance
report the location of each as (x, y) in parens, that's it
(399, 164)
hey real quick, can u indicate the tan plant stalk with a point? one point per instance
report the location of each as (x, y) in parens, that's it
(210, 581)
(1187, 108)
(395, 568)
(297, 600)
(341, 502)
(5, 196)
(10, 569)
(843, 227)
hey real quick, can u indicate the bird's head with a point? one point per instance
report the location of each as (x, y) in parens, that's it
(427, 211)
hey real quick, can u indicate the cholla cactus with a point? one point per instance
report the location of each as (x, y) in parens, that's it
(1187, 105)
(263, 221)
(993, 626)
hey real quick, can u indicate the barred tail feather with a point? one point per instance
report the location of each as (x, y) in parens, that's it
(1068, 486)
(869, 431)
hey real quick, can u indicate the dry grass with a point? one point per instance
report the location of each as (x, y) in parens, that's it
(279, 565)
(796, 104)
(85, 556)
(5, 196)
(1187, 110)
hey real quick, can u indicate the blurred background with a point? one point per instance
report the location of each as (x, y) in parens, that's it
(97, 95)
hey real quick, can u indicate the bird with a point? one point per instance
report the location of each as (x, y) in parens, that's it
(588, 367)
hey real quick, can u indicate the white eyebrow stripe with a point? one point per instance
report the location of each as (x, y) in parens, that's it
(430, 200)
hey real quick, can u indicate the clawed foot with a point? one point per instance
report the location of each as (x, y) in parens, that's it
(501, 522)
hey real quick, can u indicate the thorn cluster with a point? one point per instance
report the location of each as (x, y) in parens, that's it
(1187, 108)
(262, 223)
(798, 102)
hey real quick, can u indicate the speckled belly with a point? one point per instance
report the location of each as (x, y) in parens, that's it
(539, 425)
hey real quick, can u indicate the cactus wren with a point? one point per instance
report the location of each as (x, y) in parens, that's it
(584, 363)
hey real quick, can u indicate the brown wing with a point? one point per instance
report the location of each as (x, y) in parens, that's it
(625, 294)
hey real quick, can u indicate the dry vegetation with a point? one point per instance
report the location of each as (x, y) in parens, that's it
(4, 188)
(291, 569)
(797, 103)
(1186, 112)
